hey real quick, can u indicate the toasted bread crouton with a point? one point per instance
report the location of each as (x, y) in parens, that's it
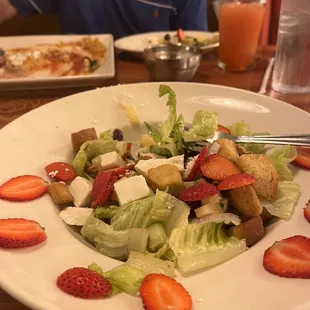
(165, 176)
(245, 200)
(265, 215)
(60, 194)
(252, 230)
(262, 169)
(242, 150)
(78, 138)
(228, 150)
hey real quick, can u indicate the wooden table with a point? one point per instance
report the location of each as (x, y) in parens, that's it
(132, 70)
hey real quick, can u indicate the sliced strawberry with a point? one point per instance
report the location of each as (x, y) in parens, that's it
(127, 152)
(84, 283)
(23, 188)
(160, 292)
(235, 181)
(218, 167)
(198, 191)
(289, 258)
(121, 171)
(61, 171)
(20, 233)
(307, 211)
(102, 187)
(194, 172)
(303, 157)
(221, 128)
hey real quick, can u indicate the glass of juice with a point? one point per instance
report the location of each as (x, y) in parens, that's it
(240, 24)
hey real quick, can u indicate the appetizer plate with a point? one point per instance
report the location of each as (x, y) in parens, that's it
(105, 71)
(43, 136)
(137, 43)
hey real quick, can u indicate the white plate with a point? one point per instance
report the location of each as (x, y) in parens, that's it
(106, 70)
(43, 136)
(138, 42)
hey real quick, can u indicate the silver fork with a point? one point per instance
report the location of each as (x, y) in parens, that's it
(292, 139)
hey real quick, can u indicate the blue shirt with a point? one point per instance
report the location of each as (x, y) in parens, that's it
(120, 17)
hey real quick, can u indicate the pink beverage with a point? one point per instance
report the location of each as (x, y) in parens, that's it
(240, 27)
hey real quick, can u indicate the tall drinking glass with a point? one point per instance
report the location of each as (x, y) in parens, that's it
(240, 24)
(291, 72)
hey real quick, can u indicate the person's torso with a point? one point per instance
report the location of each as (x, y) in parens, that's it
(120, 17)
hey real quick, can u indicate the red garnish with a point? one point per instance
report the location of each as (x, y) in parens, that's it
(159, 292)
(20, 233)
(23, 188)
(221, 128)
(84, 283)
(303, 157)
(235, 181)
(198, 191)
(289, 258)
(194, 173)
(60, 171)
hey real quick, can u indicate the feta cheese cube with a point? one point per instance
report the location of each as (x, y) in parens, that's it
(81, 190)
(131, 189)
(143, 166)
(75, 216)
(111, 160)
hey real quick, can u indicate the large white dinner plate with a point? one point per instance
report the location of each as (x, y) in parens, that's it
(138, 42)
(43, 136)
(105, 71)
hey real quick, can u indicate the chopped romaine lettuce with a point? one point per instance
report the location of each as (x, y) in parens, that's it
(138, 239)
(286, 197)
(243, 129)
(156, 135)
(280, 158)
(98, 147)
(79, 162)
(165, 253)
(146, 211)
(166, 149)
(157, 237)
(105, 212)
(203, 126)
(106, 135)
(107, 240)
(203, 245)
(150, 264)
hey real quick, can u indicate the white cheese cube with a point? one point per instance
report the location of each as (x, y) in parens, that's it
(81, 190)
(143, 166)
(131, 189)
(75, 216)
(111, 160)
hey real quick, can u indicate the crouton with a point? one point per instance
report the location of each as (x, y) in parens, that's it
(165, 176)
(245, 200)
(78, 138)
(252, 230)
(242, 150)
(262, 169)
(228, 150)
(60, 194)
(265, 215)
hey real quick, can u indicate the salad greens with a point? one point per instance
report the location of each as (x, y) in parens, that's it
(158, 233)
(199, 246)
(280, 158)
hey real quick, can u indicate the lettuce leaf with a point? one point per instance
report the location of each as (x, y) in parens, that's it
(286, 197)
(98, 147)
(79, 162)
(105, 212)
(114, 243)
(280, 158)
(106, 135)
(144, 212)
(123, 278)
(243, 129)
(199, 246)
(203, 126)
(157, 237)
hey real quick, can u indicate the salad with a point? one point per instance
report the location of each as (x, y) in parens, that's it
(166, 206)
(183, 38)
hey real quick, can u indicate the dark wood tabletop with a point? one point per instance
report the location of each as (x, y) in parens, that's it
(132, 70)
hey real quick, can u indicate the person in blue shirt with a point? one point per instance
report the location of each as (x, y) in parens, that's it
(119, 17)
